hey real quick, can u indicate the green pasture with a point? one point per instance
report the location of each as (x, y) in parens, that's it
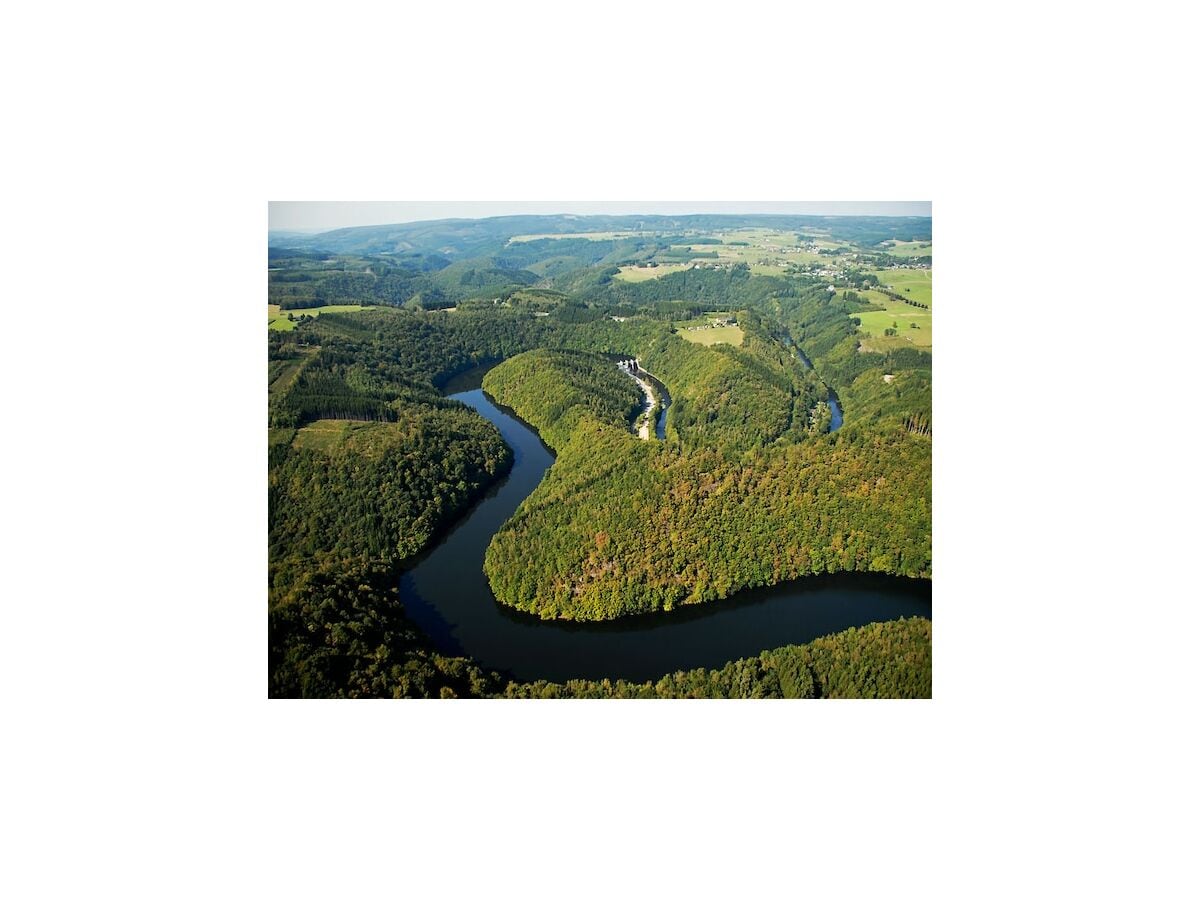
(919, 283)
(635, 274)
(726, 334)
(767, 269)
(895, 314)
(277, 319)
(702, 331)
(910, 249)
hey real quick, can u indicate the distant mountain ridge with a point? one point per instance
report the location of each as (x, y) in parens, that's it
(476, 237)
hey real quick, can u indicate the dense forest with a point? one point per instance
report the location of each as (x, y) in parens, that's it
(569, 386)
(745, 493)
(619, 526)
(371, 491)
(369, 463)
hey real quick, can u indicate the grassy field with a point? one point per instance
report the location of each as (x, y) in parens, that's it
(325, 434)
(728, 334)
(919, 283)
(702, 331)
(911, 249)
(765, 269)
(278, 320)
(899, 315)
(633, 273)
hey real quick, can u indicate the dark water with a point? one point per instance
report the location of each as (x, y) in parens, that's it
(836, 409)
(447, 595)
(469, 379)
(664, 396)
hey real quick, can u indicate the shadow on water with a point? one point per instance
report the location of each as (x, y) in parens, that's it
(469, 379)
(447, 595)
(836, 409)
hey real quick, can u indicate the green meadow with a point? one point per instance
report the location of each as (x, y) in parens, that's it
(896, 315)
(702, 331)
(916, 284)
(635, 274)
(910, 249)
(278, 320)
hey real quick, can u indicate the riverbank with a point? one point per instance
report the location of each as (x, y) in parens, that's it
(650, 403)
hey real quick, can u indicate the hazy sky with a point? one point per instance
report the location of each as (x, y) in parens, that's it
(323, 215)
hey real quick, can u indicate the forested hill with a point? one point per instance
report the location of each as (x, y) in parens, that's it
(476, 237)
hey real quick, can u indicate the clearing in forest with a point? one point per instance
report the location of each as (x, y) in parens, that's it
(277, 319)
(637, 273)
(709, 330)
(325, 434)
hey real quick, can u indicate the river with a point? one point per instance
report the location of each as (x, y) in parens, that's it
(835, 408)
(447, 595)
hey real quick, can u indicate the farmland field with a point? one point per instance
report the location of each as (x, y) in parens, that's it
(766, 269)
(918, 282)
(703, 332)
(898, 315)
(277, 319)
(910, 248)
(635, 274)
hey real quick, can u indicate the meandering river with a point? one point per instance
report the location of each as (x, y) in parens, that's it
(447, 595)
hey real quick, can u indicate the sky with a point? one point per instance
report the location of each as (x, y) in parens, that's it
(325, 215)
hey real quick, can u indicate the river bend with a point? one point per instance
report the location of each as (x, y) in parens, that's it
(447, 595)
